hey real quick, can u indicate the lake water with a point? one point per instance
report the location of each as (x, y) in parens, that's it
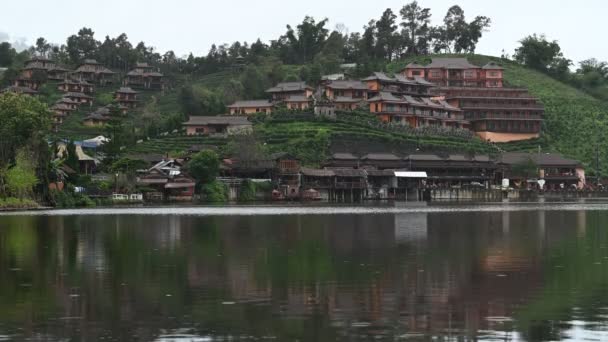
(501, 272)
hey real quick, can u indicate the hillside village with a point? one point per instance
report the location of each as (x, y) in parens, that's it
(448, 93)
(338, 120)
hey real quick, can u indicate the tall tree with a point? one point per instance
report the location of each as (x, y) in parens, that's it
(416, 28)
(307, 40)
(42, 47)
(7, 54)
(386, 33)
(82, 46)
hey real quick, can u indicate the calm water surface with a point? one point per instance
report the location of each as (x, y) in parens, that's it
(495, 273)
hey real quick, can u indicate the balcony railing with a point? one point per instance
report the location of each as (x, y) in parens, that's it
(483, 117)
(491, 105)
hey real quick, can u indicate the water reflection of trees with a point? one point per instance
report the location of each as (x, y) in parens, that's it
(308, 277)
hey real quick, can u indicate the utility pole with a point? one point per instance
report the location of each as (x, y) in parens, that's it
(597, 163)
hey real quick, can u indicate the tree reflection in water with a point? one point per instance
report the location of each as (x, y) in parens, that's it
(530, 275)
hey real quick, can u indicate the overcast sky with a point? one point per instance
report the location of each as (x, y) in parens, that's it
(193, 25)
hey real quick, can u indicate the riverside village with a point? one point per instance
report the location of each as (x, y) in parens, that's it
(449, 96)
(397, 170)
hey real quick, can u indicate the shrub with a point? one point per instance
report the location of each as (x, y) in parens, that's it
(214, 192)
(17, 203)
(248, 191)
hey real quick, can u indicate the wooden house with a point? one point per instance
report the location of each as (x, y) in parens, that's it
(19, 90)
(80, 98)
(143, 76)
(557, 171)
(94, 72)
(76, 86)
(24, 82)
(126, 97)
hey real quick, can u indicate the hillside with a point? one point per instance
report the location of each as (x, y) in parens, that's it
(575, 122)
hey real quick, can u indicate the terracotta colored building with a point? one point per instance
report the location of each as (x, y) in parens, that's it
(345, 95)
(250, 107)
(145, 77)
(398, 85)
(203, 125)
(94, 72)
(457, 72)
(498, 114)
(283, 91)
(416, 111)
(126, 97)
(297, 102)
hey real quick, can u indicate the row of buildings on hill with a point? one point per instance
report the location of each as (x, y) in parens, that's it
(79, 86)
(448, 92)
(39, 69)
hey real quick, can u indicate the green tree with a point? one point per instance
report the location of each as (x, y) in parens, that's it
(539, 53)
(24, 119)
(7, 54)
(42, 46)
(254, 83)
(386, 33)
(128, 166)
(416, 28)
(204, 166)
(21, 178)
(70, 157)
(82, 46)
(307, 40)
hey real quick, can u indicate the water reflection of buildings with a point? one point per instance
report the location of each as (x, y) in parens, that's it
(385, 274)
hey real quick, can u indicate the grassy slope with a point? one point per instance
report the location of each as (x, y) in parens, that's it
(575, 122)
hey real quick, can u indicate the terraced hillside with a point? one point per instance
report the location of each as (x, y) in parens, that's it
(576, 124)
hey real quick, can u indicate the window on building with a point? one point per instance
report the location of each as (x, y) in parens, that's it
(417, 73)
(469, 74)
(435, 74)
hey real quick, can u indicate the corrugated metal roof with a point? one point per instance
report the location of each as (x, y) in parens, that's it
(410, 174)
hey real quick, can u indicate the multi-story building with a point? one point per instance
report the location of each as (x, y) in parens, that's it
(285, 90)
(398, 85)
(497, 114)
(46, 67)
(145, 77)
(94, 72)
(126, 97)
(416, 111)
(344, 94)
(457, 72)
(76, 86)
